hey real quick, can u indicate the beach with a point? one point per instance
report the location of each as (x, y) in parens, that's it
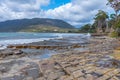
(68, 58)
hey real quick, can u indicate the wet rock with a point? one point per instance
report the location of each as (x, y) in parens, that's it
(14, 77)
(7, 78)
(6, 66)
(18, 52)
(32, 72)
(10, 52)
(107, 61)
(3, 69)
(19, 69)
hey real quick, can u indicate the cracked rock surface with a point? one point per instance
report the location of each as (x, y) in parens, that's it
(94, 63)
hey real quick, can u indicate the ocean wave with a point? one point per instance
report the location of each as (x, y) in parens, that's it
(5, 43)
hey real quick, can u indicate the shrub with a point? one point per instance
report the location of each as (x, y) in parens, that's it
(114, 34)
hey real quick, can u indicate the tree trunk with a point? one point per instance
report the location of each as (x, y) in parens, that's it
(107, 28)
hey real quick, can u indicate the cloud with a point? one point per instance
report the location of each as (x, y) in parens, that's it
(14, 9)
(76, 12)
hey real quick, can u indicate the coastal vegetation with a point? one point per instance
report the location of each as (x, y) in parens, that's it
(102, 23)
(87, 28)
(46, 29)
(105, 23)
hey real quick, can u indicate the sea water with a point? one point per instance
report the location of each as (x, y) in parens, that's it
(25, 38)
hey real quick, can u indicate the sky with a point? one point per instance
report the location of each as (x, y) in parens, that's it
(75, 12)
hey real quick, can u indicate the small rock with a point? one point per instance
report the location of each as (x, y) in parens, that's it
(18, 52)
(57, 67)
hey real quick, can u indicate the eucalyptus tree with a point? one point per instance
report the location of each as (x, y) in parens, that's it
(112, 20)
(115, 4)
(101, 20)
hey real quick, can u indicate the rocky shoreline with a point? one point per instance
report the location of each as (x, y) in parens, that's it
(76, 61)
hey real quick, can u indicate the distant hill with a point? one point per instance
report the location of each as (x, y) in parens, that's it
(35, 25)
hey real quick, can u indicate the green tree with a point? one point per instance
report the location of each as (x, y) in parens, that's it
(112, 20)
(101, 21)
(115, 4)
(87, 28)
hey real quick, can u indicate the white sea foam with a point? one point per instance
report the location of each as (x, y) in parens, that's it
(5, 43)
(88, 34)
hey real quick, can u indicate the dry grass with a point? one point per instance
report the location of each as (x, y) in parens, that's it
(116, 53)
